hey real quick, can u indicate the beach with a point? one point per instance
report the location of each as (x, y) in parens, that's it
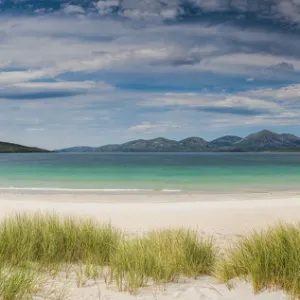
(225, 217)
(222, 216)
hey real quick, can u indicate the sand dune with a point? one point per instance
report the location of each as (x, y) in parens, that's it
(205, 288)
(225, 217)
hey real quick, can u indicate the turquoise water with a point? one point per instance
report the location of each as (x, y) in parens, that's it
(153, 172)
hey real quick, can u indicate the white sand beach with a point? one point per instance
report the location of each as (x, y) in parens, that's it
(224, 217)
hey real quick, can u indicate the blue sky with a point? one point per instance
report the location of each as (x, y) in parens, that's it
(98, 72)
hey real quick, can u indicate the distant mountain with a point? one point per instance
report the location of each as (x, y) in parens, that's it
(225, 141)
(77, 149)
(264, 140)
(15, 148)
(154, 145)
(194, 144)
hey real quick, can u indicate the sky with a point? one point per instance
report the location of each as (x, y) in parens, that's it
(87, 72)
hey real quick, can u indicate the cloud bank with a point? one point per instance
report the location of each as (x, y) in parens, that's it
(97, 72)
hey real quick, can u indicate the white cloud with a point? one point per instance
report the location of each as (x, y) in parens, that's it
(106, 7)
(47, 47)
(290, 92)
(211, 5)
(154, 127)
(144, 126)
(257, 64)
(249, 103)
(105, 4)
(11, 77)
(73, 9)
(56, 85)
(51, 26)
(289, 9)
(63, 85)
(170, 13)
(204, 100)
(150, 10)
(35, 129)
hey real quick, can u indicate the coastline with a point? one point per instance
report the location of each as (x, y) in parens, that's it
(122, 194)
(223, 216)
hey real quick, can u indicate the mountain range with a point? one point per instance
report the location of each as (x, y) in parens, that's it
(263, 140)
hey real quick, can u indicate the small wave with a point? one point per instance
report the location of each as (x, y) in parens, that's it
(71, 190)
(171, 191)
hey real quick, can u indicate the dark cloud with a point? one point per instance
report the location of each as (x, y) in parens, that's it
(242, 111)
(276, 11)
(38, 95)
(280, 70)
(283, 67)
(180, 61)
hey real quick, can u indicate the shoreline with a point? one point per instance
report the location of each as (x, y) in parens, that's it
(222, 216)
(170, 194)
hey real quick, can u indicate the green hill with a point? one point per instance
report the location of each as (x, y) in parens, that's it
(15, 148)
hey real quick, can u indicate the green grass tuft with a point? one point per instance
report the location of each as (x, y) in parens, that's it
(271, 259)
(161, 256)
(18, 283)
(46, 243)
(47, 239)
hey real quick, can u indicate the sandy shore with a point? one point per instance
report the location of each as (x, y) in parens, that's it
(223, 216)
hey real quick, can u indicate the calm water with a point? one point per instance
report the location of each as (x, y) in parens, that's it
(195, 172)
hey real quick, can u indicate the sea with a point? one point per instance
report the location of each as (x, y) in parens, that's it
(151, 172)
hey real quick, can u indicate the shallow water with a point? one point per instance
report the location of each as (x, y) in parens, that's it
(169, 172)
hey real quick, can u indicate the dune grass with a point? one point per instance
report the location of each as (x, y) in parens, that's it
(161, 256)
(270, 259)
(46, 243)
(18, 283)
(32, 245)
(48, 239)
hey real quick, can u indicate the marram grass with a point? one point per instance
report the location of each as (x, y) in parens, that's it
(33, 244)
(270, 259)
(47, 242)
(18, 283)
(161, 256)
(48, 239)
